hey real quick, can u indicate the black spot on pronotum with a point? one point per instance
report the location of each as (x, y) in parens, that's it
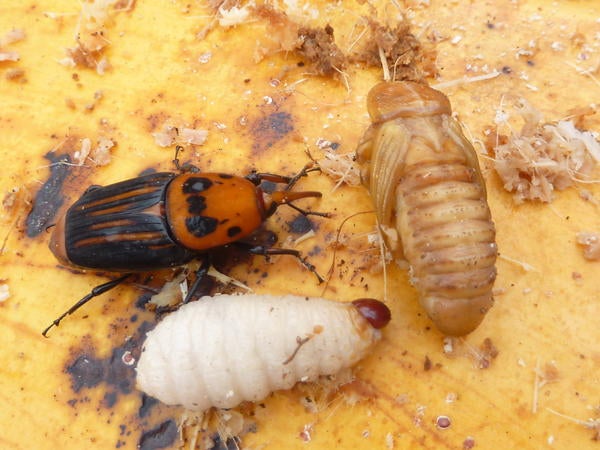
(225, 176)
(233, 231)
(194, 185)
(162, 436)
(49, 198)
(196, 204)
(201, 226)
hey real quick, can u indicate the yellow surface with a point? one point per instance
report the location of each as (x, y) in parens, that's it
(542, 317)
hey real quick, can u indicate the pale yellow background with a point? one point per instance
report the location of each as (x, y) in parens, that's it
(542, 317)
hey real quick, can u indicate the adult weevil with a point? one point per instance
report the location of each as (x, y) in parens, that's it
(167, 219)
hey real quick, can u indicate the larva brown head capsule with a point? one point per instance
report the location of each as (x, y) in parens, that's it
(376, 312)
(388, 101)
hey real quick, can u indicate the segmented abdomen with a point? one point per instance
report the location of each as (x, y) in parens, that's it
(220, 351)
(426, 183)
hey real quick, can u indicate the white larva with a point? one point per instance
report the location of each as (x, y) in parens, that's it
(223, 350)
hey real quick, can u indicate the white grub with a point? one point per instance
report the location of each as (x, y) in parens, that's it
(591, 245)
(222, 350)
(543, 156)
(4, 292)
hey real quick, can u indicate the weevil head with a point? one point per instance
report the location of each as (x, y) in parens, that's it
(392, 100)
(376, 312)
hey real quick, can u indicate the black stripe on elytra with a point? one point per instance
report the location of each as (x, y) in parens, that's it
(194, 185)
(201, 226)
(196, 204)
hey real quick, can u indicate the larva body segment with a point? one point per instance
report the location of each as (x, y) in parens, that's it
(431, 203)
(222, 350)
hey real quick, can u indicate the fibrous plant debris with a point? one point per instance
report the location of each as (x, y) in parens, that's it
(289, 31)
(542, 156)
(318, 46)
(91, 33)
(171, 134)
(405, 55)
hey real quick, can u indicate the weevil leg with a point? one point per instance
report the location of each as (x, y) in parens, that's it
(310, 167)
(308, 213)
(267, 252)
(258, 177)
(187, 167)
(200, 275)
(98, 290)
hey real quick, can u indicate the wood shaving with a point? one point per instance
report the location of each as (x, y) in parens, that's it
(591, 245)
(10, 37)
(4, 292)
(542, 156)
(341, 167)
(174, 135)
(91, 38)
(99, 155)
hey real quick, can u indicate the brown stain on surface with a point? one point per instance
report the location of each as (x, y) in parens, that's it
(49, 198)
(271, 129)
